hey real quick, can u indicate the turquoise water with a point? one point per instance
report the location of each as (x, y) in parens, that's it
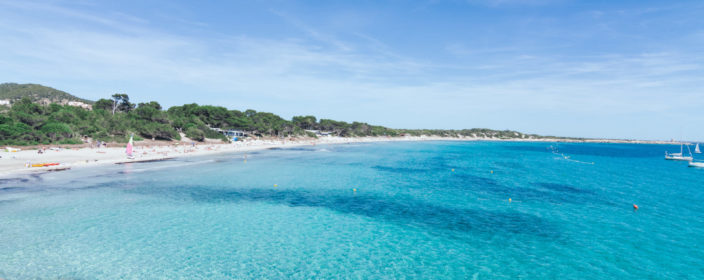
(294, 213)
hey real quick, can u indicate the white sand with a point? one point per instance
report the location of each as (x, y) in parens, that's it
(13, 163)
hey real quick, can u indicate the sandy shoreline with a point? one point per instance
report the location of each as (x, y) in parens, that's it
(15, 163)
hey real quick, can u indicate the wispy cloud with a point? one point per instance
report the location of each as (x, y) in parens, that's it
(313, 33)
(365, 79)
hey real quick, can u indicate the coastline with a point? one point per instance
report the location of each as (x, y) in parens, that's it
(15, 163)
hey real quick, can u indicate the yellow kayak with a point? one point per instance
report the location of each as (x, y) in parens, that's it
(45, 164)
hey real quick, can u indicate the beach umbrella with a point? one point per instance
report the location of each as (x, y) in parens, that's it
(129, 147)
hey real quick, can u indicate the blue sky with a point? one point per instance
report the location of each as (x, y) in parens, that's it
(618, 69)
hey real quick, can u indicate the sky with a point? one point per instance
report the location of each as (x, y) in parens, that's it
(602, 69)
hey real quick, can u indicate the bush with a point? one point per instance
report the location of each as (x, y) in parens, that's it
(195, 134)
(57, 131)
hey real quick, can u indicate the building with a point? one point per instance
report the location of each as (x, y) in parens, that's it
(319, 133)
(80, 104)
(230, 133)
(234, 133)
(5, 102)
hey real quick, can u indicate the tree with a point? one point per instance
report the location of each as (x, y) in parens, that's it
(27, 112)
(195, 133)
(305, 122)
(151, 111)
(122, 102)
(239, 120)
(30, 123)
(156, 130)
(13, 130)
(57, 131)
(103, 104)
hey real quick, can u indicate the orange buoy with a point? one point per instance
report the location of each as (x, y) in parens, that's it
(635, 207)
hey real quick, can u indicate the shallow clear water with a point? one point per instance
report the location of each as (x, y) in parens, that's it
(294, 214)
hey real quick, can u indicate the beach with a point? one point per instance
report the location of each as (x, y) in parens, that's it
(68, 157)
(20, 162)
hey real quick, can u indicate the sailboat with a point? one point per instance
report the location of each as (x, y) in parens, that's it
(693, 163)
(680, 155)
(128, 151)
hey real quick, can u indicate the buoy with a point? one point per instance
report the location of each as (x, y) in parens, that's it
(354, 190)
(509, 199)
(635, 207)
(453, 170)
(492, 172)
(275, 185)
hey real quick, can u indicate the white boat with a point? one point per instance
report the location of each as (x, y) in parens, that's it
(696, 164)
(12, 150)
(680, 155)
(696, 149)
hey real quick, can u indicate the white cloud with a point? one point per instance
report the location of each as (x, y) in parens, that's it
(489, 87)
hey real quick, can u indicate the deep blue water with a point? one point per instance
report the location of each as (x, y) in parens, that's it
(437, 210)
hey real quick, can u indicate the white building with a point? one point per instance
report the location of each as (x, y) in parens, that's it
(234, 133)
(80, 104)
(5, 102)
(319, 133)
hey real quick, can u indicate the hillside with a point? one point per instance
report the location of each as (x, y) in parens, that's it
(37, 93)
(35, 120)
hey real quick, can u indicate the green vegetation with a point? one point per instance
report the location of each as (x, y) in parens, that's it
(36, 93)
(27, 122)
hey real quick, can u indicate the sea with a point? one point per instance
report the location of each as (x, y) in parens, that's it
(387, 210)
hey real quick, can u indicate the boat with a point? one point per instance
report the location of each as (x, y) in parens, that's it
(680, 155)
(128, 150)
(45, 164)
(696, 149)
(12, 150)
(696, 164)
